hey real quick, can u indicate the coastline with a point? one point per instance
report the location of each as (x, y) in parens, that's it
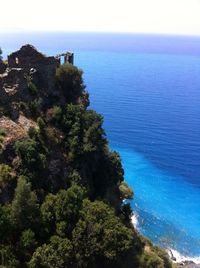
(174, 255)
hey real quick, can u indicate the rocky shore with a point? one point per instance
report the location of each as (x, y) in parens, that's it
(182, 261)
(188, 264)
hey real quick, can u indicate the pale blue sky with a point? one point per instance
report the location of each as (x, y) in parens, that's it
(145, 16)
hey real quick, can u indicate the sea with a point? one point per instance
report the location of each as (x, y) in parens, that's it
(147, 87)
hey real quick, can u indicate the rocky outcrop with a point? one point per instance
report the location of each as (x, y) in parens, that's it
(15, 130)
(188, 264)
(181, 261)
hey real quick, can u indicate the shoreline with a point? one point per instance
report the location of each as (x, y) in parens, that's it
(174, 255)
(182, 260)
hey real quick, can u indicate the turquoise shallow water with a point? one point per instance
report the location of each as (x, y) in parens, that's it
(167, 208)
(148, 89)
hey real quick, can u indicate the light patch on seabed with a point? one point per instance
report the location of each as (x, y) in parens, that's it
(166, 206)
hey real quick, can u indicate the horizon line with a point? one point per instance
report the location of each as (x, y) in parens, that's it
(34, 31)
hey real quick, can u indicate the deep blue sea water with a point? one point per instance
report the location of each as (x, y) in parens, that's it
(148, 90)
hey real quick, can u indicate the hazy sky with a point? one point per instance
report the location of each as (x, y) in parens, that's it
(146, 16)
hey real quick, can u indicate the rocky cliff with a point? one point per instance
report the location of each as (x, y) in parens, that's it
(61, 188)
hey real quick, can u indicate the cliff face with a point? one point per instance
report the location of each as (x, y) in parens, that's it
(61, 188)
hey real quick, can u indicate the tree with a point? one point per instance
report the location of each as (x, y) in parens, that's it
(31, 159)
(27, 245)
(6, 225)
(48, 213)
(61, 211)
(56, 254)
(68, 205)
(6, 176)
(70, 82)
(7, 257)
(25, 210)
(94, 135)
(27, 239)
(99, 238)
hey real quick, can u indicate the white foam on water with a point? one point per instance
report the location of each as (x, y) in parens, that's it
(134, 220)
(178, 257)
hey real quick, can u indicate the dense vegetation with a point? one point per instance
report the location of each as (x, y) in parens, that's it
(61, 192)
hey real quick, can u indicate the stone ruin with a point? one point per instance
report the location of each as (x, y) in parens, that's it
(25, 65)
(68, 57)
(2, 66)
